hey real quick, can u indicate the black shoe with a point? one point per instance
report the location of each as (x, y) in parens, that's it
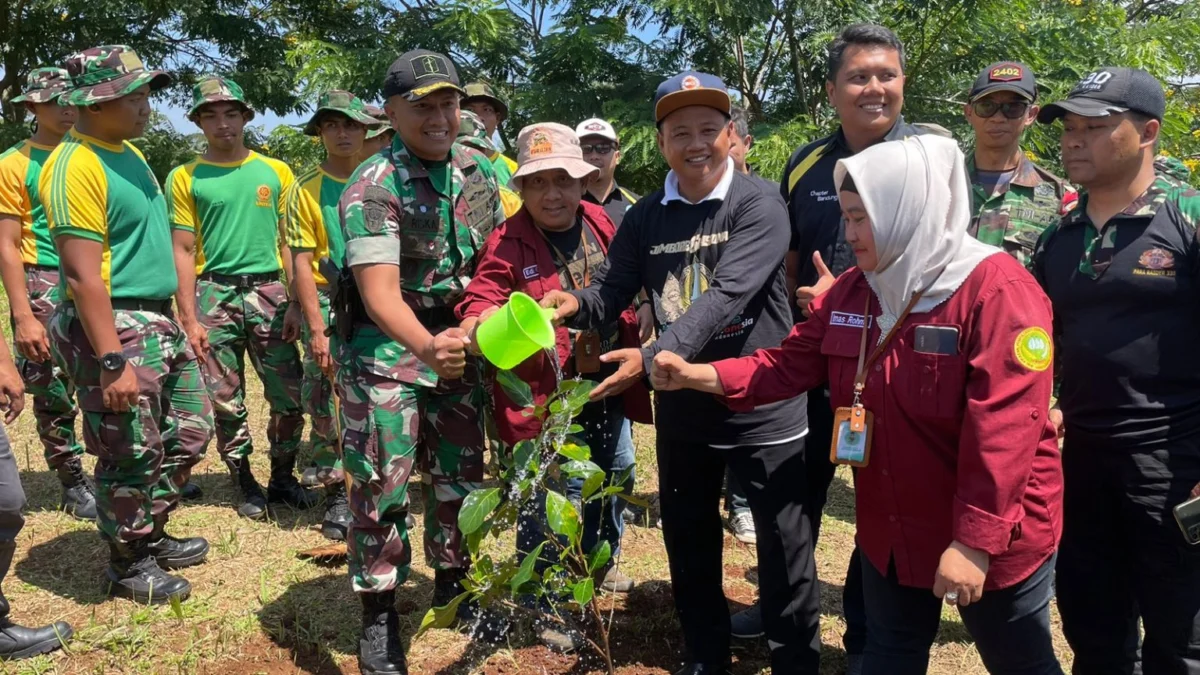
(284, 488)
(309, 478)
(78, 495)
(379, 648)
(190, 492)
(19, 642)
(173, 553)
(705, 669)
(337, 513)
(133, 573)
(747, 624)
(253, 503)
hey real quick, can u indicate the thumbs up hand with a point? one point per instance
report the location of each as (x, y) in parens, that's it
(806, 294)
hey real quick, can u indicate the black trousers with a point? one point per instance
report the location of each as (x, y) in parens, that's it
(12, 500)
(1123, 557)
(773, 476)
(820, 477)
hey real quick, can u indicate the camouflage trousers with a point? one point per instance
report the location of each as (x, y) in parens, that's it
(53, 394)
(390, 427)
(241, 321)
(317, 394)
(144, 456)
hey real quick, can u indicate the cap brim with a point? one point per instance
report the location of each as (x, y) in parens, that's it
(1084, 107)
(708, 97)
(311, 129)
(418, 93)
(991, 89)
(486, 147)
(496, 103)
(375, 133)
(598, 134)
(576, 168)
(114, 89)
(222, 99)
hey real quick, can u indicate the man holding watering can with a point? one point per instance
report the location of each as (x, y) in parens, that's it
(558, 241)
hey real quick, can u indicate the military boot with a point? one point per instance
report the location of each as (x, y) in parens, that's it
(284, 487)
(379, 648)
(19, 642)
(133, 573)
(254, 504)
(173, 553)
(78, 495)
(337, 513)
(190, 492)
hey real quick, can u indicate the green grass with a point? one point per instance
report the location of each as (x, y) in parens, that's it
(257, 608)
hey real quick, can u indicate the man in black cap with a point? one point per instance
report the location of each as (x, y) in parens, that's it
(708, 248)
(415, 217)
(1013, 199)
(1121, 270)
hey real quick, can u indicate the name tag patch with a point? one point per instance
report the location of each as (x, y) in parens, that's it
(848, 320)
(530, 272)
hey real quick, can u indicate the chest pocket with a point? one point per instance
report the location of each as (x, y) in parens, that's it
(1020, 240)
(479, 207)
(840, 348)
(933, 383)
(422, 232)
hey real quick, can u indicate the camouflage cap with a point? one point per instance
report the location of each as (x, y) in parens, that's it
(44, 85)
(482, 91)
(105, 73)
(344, 103)
(385, 125)
(217, 89)
(472, 134)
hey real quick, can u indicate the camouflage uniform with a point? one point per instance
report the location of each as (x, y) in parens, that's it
(53, 394)
(1172, 168)
(93, 191)
(1016, 216)
(396, 410)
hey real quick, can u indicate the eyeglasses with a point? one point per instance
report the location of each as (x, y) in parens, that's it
(1011, 109)
(598, 148)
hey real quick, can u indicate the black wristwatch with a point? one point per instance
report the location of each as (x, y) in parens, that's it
(112, 361)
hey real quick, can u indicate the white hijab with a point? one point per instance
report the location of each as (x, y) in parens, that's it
(916, 194)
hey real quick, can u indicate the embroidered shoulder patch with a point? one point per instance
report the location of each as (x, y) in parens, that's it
(1033, 349)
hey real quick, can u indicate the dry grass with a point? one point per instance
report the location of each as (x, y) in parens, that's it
(256, 608)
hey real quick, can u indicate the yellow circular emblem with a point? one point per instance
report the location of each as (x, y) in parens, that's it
(1033, 349)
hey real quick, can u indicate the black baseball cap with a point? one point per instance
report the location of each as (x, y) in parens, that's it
(419, 73)
(1005, 76)
(690, 88)
(1110, 91)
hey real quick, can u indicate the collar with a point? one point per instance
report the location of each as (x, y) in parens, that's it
(614, 193)
(899, 131)
(671, 187)
(92, 140)
(1145, 206)
(1026, 174)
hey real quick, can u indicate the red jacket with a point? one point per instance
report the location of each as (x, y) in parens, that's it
(963, 447)
(517, 258)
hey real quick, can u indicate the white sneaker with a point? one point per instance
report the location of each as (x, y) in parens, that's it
(742, 525)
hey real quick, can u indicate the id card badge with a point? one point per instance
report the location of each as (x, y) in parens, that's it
(587, 352)
(851, 436)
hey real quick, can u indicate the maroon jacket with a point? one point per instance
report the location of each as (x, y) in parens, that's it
(963, 447)
(517, 258)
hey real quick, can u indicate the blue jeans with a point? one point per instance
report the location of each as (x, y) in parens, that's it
(1011, 626)
(607, 433)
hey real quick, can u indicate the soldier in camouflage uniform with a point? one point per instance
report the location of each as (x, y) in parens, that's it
(472, 134)
(314, 235)
(146, 413)
(380, 137)
(1121, 272)
(1013, 199)
(1172, 168)
(226, 208)
(414, 217)
(29, 267)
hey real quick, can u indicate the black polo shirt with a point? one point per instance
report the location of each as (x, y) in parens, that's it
(811, 197)
(1127, 317)
(615, 204)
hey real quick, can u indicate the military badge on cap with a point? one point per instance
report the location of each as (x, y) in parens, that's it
(419, 73)
(1006, 73)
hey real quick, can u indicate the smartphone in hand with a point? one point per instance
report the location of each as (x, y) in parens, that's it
(1187, 515)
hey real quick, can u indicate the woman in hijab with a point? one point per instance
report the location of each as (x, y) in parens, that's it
(937, 352)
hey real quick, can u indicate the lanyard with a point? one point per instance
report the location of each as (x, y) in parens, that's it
(864, 362)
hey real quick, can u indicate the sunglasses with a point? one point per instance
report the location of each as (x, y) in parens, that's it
(1011, 109)
(598, 148)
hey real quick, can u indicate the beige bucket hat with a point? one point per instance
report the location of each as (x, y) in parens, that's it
(545, 146)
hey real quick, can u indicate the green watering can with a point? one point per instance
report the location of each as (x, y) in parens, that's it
(520, 329)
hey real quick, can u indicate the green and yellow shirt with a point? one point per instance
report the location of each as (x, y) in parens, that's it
(312, 222)
(234, 208)
(20, 167)
(107, 193)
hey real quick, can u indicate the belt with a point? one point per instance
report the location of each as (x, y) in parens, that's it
(241, 280)
(40, 268)
(134, 305)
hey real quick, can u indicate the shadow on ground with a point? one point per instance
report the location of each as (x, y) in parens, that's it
(70, 565)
